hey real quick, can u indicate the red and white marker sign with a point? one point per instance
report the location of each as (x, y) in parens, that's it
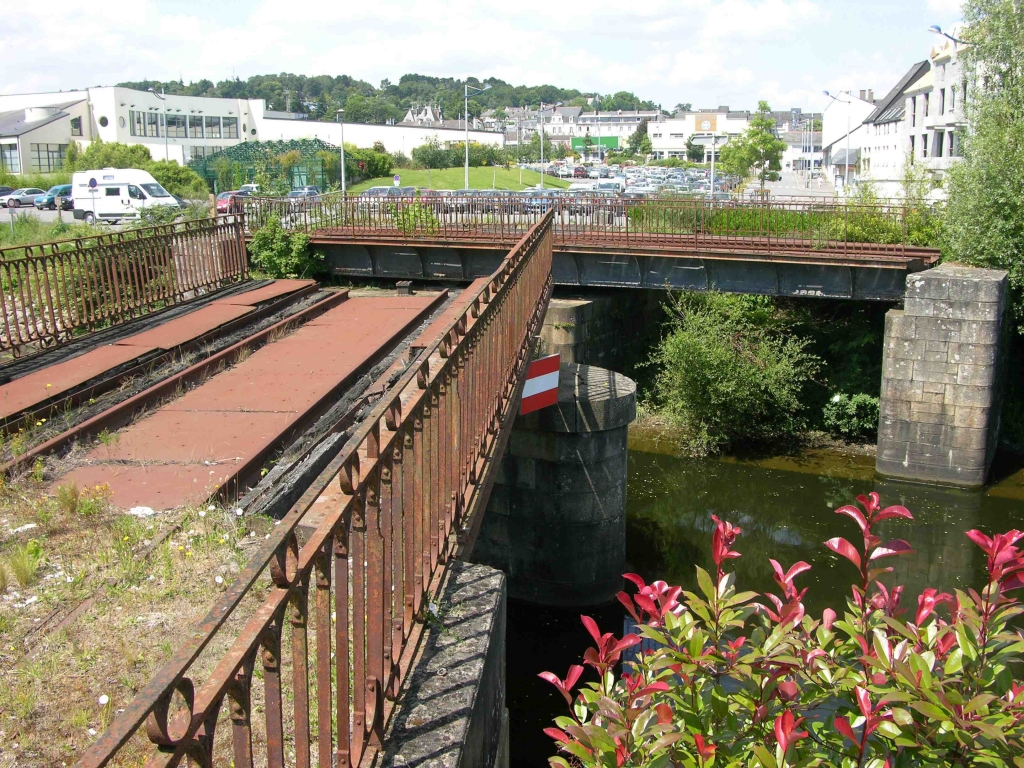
(541, 388)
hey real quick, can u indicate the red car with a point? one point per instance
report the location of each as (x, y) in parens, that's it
(229, 202)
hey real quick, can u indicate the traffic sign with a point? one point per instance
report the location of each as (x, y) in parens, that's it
(541, 388)
(398, 179)
(92, 183)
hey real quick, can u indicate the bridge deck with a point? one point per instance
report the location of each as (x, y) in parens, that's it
(183, 452)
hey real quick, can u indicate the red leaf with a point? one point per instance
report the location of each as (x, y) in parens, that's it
(640, 584)
(894, 511)
(869, 502)
(828, 618)
(843, 726)
(1014, 581)
(856, 515)
(664, 713)
(627, 642)
(591, 626)
(574, 674)
(552, 678)
(894, 547)
(981, 540)
(557, 735)
(863, 701)
(627, 603)
(842, 547)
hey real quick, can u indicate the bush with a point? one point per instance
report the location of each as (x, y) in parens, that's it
(731, 371)
(282, 254)
(851, 417)
(415, 218)
(728, 680)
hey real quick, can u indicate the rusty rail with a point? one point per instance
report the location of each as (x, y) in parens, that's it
(375, 555)
(803, 227)
(49, 292)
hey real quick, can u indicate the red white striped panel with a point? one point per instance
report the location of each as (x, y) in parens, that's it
(541, 388)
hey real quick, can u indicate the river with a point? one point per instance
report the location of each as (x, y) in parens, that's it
(786, 508)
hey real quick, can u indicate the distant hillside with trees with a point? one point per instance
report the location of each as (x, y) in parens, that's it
(320, 96)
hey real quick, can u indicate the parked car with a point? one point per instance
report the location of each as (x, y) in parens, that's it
(302, 197)
(23, 196)
(579, 172)
(228, 202)
(4, 191)
(48, 200)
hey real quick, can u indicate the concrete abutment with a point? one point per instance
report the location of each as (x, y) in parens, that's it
(556, 522)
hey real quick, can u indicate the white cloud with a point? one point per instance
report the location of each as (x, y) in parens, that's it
(702, 51)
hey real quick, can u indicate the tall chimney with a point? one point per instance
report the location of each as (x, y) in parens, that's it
(863, 95)
(871, 95)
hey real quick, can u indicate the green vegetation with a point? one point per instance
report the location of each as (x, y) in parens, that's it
(31, 229)
(454, 178)
(320, 96)
(278, 253)
(177, 180)
(851, 417)
(758, 149)
(732, 371)
(38, 180)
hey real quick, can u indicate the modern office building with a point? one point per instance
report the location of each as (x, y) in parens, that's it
(35, 129)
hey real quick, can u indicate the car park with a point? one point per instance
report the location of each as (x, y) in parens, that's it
(231, 202)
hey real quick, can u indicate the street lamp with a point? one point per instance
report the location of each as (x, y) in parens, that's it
(162, 96)
(540, 118)
(466, 115)
(341, 122)
(846, 171)
(937, 30)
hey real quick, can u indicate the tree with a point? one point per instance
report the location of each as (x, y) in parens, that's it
(431, 154)
(985, 219)
(694, 152)
(637, 137)
(758, 149)
(683, 106)
(646, 147)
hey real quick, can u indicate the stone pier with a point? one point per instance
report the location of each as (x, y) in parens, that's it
(556, 522)
(941, 377)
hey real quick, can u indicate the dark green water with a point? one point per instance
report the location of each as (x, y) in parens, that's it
(786, 507)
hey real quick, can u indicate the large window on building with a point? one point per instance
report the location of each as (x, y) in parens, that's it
(229, 127)
(212, 125)
(152, 124)
(76, 126)
(9, 159)
(46, 158)
(176, 126)
(942, 101)
(926, 104)
(136, 123)
(195, 127)
(940, 143)
(952, 98)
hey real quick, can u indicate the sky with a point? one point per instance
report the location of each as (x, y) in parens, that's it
(706, 52)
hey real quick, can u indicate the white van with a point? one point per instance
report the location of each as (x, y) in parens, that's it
(112, 194)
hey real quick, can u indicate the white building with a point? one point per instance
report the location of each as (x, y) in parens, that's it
(842, 135)
(669, 137)
(935, 111)
(35, 129)
(803, 150)
(886, 141)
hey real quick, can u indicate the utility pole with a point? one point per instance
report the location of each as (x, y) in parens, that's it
(466, 115)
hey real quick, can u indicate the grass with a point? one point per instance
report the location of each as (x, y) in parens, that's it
(454, 178)
(150, 579)
(40, 180)
(30, 229)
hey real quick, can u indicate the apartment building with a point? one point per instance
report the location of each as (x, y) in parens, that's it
(36, 129)
(886, 141)
(935, 111)
(843, 134)
(709, 127)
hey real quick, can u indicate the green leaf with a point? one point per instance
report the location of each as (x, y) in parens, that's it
(889, 729)
(764, 756)
(901, 717)
(954, 662)
(929, 710)
(707, 586)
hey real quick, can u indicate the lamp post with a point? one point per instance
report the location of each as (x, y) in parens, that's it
(466, 116)
(846, 171)
(937, 30)
(163, 97)
(341, 122)
(540, 118)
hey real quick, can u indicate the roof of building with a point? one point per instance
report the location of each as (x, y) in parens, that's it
(839, 158)
(13, 123)
(926, 82)
(892, 107)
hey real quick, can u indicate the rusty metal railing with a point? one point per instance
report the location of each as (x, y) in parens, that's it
(51, 291)
(375, 554)
(791, 226)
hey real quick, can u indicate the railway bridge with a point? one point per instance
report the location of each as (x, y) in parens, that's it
(800, 247)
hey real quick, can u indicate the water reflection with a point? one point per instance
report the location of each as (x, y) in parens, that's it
(786, 508)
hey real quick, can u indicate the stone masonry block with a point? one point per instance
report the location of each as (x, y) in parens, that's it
(890, 408)
(975, 418)
(965, 310)
(973, 354)
(892, 450)
(919, 307)
(979, 332)
(933, 388)
(939, 329)
(976, 397)
(945, 373)
(893, 430)
(931, 413)
(901, 389)
(895, 368)
(899, 325)
(927, 285)
(976, 375)
(987, 291)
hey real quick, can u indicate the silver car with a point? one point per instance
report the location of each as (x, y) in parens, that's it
(23, 196)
